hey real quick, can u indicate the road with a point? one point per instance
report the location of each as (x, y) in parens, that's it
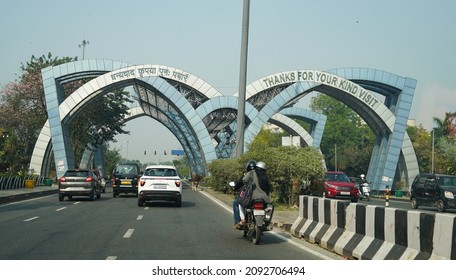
(116, 228)
(405, 205)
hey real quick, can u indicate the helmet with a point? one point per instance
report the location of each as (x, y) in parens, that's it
(250, 165)
(261, 165)
(362, 176)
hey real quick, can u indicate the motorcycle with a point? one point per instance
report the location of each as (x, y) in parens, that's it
(364, 191)
(257, 220)
(258, 217)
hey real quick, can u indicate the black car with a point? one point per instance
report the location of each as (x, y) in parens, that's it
(430, 189)
(125, 178)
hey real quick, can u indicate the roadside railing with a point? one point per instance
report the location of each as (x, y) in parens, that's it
(17, 182)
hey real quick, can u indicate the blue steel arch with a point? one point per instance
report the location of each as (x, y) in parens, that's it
(283, 90)
(390, 132)
(60, 111)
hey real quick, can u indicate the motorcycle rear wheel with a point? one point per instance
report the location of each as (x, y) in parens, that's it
(256, 235)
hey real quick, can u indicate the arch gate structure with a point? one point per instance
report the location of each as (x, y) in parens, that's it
(203, 120)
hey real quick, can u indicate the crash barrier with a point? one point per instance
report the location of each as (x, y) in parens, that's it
(359, 231)
(17, 182)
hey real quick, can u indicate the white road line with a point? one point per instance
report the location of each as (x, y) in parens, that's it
(129, 233)
(286, 239)
(31, 219)
(60, 209)
(146, 208)
(140, 217)
(77, 202)
(111, 258)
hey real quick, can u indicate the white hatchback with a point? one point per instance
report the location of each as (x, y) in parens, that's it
(160, 183)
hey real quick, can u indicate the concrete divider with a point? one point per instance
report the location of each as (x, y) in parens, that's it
(360, 231)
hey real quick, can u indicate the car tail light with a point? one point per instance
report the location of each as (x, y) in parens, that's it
(142, 183)
(62, 179)
(258, 205)
(177, 182)
(89, 179)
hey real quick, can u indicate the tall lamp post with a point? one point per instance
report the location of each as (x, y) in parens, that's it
(82, 45)
(432, 160)
(239, 147)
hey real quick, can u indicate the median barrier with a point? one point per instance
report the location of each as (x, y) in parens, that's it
(359, 231)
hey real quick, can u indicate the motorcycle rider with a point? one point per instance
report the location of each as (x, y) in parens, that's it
(262, 187)
(239, 184)
(362, 180)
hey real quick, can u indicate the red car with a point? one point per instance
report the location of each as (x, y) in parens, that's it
(338, 185)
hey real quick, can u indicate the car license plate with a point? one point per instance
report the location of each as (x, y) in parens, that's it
(125, 183)
(345, 193)
(258, 212)
(74, 189)
(160, 187)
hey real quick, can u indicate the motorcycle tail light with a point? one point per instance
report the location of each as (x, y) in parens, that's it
(258, 205)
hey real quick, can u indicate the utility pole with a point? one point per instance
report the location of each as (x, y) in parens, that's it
(82, 45)
(239, 148)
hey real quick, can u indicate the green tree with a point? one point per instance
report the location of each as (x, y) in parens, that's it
(346, 134)
(23, 111)
(23, 114)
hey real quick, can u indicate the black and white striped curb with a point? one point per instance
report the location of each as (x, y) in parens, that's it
(360, 231)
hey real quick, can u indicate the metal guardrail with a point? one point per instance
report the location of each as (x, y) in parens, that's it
(17, 182)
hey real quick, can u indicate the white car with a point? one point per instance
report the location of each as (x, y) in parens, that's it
(160, 183)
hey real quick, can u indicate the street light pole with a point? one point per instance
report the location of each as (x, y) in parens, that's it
(432, 161)
(84, 43)
(239, 148)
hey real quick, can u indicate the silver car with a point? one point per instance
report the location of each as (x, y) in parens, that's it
(79, 182)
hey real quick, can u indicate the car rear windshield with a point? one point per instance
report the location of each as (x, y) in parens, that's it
(337, 177)
(123, 169)
(76, 173)
(160, 172)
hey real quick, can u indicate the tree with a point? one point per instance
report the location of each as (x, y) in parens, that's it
(23, 114)
(345, 130)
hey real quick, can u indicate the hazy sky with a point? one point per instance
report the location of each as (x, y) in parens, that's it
(413, 38)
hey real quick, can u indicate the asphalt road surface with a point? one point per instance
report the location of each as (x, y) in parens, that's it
(116, 228)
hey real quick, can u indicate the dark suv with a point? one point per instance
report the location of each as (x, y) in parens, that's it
(125, 178)
(429, 189)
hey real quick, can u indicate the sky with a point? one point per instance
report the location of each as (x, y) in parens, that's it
(410, 38)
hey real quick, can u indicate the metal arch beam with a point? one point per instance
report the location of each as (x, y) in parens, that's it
(155, 105)
(317, 121)
(309, 80)
(224, 133)
(116, 73)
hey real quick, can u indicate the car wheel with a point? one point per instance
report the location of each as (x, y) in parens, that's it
(179, 202)
(92, 195)
(98, 195)
(70, 197)
(61, 197)
(114, 194)
(440, 206)
(140, 203)
(414, 203)
(354, 200)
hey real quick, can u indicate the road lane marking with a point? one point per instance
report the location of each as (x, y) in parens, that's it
(60, 209)
(146, 208)
(77, 202)
(111, 258)
(129, 233)
(31, 219)
(286, 239)
(140, 217)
